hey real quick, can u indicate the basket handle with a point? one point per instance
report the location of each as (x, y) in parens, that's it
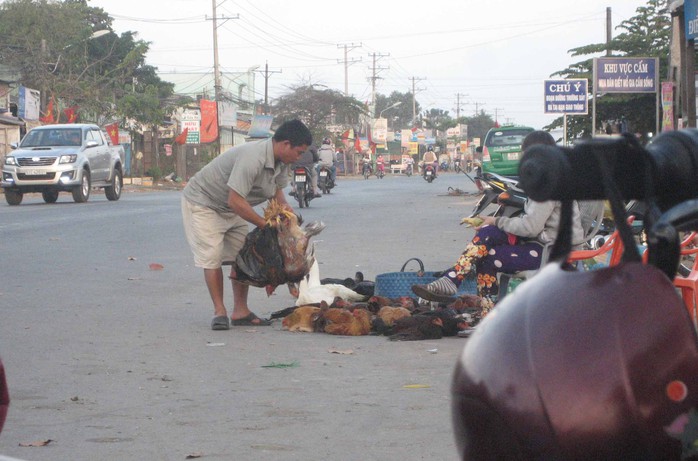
(419, 261)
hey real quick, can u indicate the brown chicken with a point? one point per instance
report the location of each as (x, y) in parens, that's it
(303, 318)
(347, 323)
(386, 318)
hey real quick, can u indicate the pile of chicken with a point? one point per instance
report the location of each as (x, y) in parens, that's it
(400, 319)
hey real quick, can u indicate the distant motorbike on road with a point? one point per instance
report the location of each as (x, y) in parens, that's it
(409, 170)
(324, 181)
(367, 170)
(429, 172)
(303, 189)
(456, 165)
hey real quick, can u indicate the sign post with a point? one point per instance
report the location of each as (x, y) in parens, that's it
(568, 97)
(625, 75)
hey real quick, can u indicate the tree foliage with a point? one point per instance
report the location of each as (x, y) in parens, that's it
(318, 107)
(647, 34)
(54, 47)
(400, 116)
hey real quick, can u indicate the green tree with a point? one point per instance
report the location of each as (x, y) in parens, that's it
(318, 107)
(646, 34)
(478, 125)
(401, 115)
(69, 50)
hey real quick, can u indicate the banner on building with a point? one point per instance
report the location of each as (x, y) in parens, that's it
(209, 121)
(667, 106)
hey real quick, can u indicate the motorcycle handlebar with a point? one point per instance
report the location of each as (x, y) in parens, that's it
(560, 173)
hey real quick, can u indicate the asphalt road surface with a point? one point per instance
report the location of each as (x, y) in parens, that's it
(109, 358)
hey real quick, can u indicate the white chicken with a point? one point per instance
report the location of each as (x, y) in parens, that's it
(311, 291)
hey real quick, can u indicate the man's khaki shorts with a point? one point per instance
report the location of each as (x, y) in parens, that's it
(215, 238)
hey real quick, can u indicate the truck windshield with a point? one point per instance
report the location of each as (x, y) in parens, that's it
(52, 137)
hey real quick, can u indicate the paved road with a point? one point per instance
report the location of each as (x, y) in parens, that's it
(111, 360)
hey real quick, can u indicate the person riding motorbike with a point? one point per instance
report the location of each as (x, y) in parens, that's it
(327, 158)
(431, 158)
(308, 159)
(366, 164)
(380, 165)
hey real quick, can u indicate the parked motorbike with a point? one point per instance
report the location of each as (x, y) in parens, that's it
(303, 188)
(502, 191)
(367, 170)
(324, 181)
(429, 172)
(444, 166)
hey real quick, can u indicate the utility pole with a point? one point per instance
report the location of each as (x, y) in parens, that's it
(477, 107)
(414, 99)
(458, 104)
(373, 78)
(609, 31)
(266, 75)
(347, 62)
(496, 115)
(216, 66)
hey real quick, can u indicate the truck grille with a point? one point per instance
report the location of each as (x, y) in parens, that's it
(35, 177)
(36, 161)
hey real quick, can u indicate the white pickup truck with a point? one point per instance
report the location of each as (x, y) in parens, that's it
(63, 158)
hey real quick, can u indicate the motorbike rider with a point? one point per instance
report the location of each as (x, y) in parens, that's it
(366, 163)
(380, 164)
(308, 159)
(409, 163)
(327, 156)
(431, 159)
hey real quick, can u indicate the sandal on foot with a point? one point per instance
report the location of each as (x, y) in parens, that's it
(220, 322)
(251, 320)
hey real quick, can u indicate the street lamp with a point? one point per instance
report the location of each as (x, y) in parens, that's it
(389, 107)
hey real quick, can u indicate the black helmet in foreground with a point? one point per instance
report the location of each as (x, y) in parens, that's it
(599, 365)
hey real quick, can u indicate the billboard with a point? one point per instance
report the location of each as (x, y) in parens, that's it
(626, 75)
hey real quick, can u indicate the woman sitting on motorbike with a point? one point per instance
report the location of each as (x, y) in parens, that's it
(504, 244)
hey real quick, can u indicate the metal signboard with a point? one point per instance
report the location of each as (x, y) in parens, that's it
(690, 11)
(626, 75)
(569, 96)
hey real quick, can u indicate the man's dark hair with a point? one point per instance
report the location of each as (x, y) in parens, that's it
(537, 137)
(295, 132)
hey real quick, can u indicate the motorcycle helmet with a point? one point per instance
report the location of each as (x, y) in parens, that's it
(578, 366)
(327, 140)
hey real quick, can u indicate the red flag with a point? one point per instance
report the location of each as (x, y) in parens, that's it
(496, 124)
(113, 132)
(357, 144)
(182, 138)
(71, 114)
(345, 135)
(48, 117)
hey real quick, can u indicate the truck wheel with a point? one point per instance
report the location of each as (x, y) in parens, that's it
(113, 192)
(82, 192)
(13, 197)
(50, 196)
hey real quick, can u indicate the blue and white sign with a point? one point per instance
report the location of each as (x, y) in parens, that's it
(690, 12)
(626, 75)
(569, 96)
